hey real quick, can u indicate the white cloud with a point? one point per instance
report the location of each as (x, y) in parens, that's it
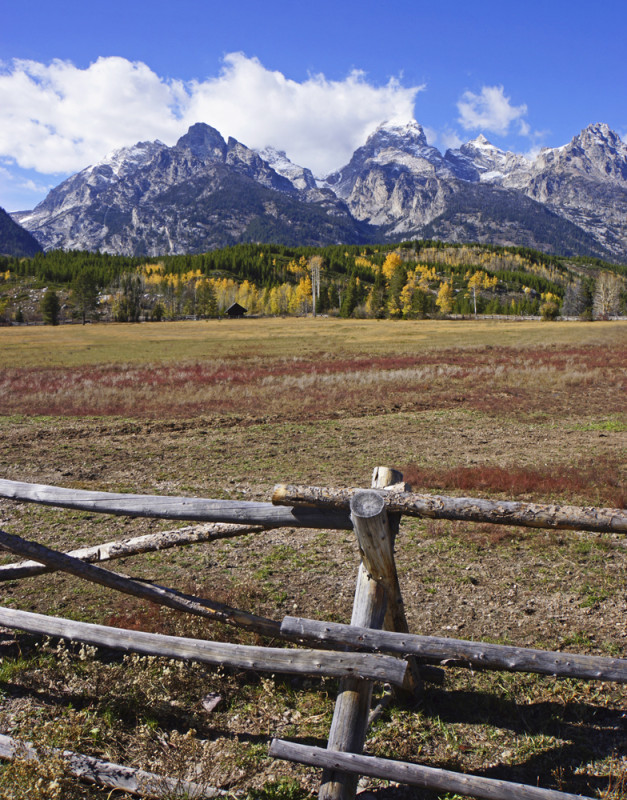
(490, 111)
(431, 134)
(57, 118)
(450, 140)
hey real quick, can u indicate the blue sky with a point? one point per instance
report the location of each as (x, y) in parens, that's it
(78, 80)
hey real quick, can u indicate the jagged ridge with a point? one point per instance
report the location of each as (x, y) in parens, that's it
(205, 192)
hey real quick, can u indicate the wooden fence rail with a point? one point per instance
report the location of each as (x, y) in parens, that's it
(330, 663)
(470, 509)
(458, 652)
(156, 594)
(414, 774)
(114, 776)
(373, 515)
(191, 509)
(149, 543)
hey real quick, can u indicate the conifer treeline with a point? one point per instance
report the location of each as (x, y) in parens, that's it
(412, 279)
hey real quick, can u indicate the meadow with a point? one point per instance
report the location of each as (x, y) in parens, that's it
(523, 410)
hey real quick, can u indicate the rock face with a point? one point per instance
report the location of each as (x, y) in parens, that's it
(205, 192)
(584, 182)
(15, 241)
(201, 194)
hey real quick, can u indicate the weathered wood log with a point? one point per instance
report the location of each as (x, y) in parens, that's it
(352, 707)
(115, 776)
(441, 780)
(264, 659)
(458, 652)
(150, 542)
(470, 509)
(156, 594)
(390, 480)
(193, 509)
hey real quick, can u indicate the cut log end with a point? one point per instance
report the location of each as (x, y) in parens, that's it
(279, 493)
(366, 504)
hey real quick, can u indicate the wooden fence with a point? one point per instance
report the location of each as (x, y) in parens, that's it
(376, 646)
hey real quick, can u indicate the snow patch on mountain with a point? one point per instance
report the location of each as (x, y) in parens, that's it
(300, 177)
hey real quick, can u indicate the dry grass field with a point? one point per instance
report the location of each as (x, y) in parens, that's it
(227, 409)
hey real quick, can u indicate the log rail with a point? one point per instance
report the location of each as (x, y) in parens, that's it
(373, 515)
(469, 509)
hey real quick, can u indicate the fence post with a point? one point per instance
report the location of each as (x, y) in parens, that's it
(377, 575)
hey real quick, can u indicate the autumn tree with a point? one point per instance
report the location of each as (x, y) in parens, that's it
(444, 300)
(550, 307)
(479, 280)
(391, 263)
(607, 295)
(315, 264)
(397, 282)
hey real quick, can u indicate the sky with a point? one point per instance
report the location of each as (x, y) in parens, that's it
(78, 80)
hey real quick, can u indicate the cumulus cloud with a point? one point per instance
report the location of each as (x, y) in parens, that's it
(491, 111)
(450, 140)
(57, 118)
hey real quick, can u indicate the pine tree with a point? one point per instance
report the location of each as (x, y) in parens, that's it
(85, 293)
(50, 307)
(349, 299)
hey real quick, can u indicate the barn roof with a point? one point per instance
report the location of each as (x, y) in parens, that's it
(236, 310)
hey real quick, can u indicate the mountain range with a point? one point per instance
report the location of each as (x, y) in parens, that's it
(205, 192)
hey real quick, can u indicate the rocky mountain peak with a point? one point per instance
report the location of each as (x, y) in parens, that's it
(203, 142)
(393, 149)
(125, 159)
(480, 160)
(597, 152)
(478, 141)
(407, 137)
(206, 192)
(300, 177)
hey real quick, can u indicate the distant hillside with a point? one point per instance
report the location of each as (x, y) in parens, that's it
(15, 240)
(414, 279)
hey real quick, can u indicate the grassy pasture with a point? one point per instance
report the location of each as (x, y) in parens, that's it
(78, 345)
(226, 409)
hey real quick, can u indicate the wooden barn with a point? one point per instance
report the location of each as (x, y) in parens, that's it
(236, 310)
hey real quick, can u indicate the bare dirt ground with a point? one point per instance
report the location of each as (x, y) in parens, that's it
(558, 433)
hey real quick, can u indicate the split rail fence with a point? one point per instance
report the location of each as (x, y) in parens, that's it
(376, 646)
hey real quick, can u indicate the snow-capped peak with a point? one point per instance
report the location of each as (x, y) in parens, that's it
(406, 136)
(300, 177)
(125, 159)
(481, 141)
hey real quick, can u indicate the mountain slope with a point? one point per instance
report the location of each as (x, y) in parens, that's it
(14, 239)
(396, 180)
(584, 182)
(200, 194)
(205, 192)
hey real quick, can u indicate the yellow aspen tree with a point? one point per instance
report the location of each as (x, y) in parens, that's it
(392, 261)
(444, 300)
(274, 301)
(407, 294)
(475, 282)
(302, 295)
